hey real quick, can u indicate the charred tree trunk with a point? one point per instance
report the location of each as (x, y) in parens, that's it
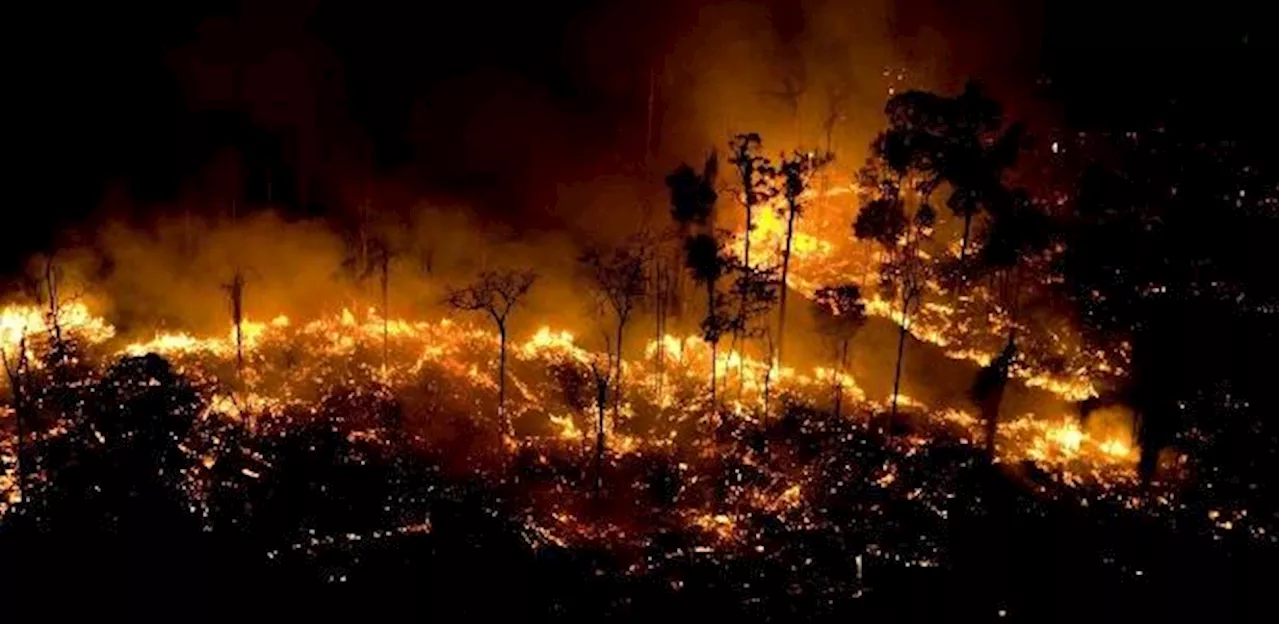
(897, 369)
(964, 242)
(991, 417)
(236, 290)
(713, 375)
(602, 399)
(502, 379)
(660, 304)
(55, 322)
(782, 288)
(386, 281)
(742, 303)
(844, 358)
(768, 374)
(617, 375)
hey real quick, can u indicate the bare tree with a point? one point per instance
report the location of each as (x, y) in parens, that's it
(797, 171)
(495, 293)
(235, 291)
(841, 314)
(617, 279)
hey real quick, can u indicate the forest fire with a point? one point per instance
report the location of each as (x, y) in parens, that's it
(289, 363)
(642, 311)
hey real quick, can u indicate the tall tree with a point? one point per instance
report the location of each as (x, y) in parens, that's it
(988, 390)
(756, 291)
(707, 264)
(901, 226)
(797, 170)
(841, 313)
(755, 177)
(601, 383)
(960, 141)
(496, 293)
(235, 293)
(693, 201)
(617, 279)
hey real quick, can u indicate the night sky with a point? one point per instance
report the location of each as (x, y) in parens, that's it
(498, 106)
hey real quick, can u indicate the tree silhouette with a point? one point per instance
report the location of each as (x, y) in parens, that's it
(796, 170)
(901, 228)
(755, 176)
(693, 200)
(707, 265)
(841, 314)
(235, 292)
(495, 293)
(600, 383)
(988, 390)
(756, 291)
(618, 281)
(384, 283)
(960, 141)
(1019, 232)
(693, 195)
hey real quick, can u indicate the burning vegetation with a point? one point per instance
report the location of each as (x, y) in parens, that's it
(790, 395)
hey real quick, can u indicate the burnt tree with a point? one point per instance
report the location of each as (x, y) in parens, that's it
(841, 314)
(496, 293)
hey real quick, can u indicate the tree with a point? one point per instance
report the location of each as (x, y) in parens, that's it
(1019, 232)
(693, 195)
(960, 141)
(841, 314)
(384, 281)
(495, 293)
(600, 381)
(659, 296)
(988, 390)
(707, 265)
(797, 170)
(693, 202)
(235, 292)
(618, 281)
(756, 291)
(755, 177)
(901, 228)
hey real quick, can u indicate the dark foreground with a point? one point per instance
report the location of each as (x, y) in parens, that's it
(339, 518)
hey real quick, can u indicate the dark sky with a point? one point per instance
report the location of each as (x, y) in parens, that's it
(500, 104)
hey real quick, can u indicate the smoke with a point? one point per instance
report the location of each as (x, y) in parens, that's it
(465, 146)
